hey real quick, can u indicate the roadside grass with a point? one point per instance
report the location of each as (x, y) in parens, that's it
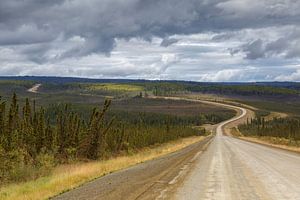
(281, 143)
(67, 177)
(234, 131)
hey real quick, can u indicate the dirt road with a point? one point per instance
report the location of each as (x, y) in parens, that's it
(218, 168)
(34, 88)
(143, 181)
(236, 169)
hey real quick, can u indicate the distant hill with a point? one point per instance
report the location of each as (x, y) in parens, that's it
(58, 79)
(54, 79)
(169, 86)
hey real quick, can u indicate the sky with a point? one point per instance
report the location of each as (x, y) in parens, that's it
(197, 40)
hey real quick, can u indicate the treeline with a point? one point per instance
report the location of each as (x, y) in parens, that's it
(163, 88)
(259, 90)
(33, 140)
(157, 119)
(288, 128)
(7, 86)
(171, 88)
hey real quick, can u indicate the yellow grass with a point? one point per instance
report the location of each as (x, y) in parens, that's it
(275, 114)
(281, 143)
(115, 87)
(66, 177)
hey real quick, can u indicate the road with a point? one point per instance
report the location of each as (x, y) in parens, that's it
(34, 89)
(236, 169)
(218, 168)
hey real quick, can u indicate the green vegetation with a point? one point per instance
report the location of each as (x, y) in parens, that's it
(163, 88)
(261, 113)
(288, 128)
(289, 106)
(258, 90)
(33, 140)
(114, 87)
(30, 145)
(9, 86)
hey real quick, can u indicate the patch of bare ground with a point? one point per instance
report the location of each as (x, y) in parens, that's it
(34, 88)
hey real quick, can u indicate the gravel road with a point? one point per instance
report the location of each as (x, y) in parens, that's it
(34, 89)
(214, 169)
(142, 181)
(236, 169)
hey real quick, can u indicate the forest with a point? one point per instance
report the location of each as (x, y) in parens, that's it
(34, 139)
(288, 128)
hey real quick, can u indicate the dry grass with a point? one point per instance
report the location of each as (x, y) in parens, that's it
(281, 143)
(66, 177)
(234, 132)
(115, 87)
(272, 115)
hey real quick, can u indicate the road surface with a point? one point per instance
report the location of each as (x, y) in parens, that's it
(218, 168)
(236, 169)
(34, 89)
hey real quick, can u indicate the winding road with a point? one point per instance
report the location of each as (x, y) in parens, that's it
(218, 168)
(236, 169)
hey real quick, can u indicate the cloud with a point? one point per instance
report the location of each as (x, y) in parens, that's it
(277, 42)
(100, 22)
(222, 75)
(254, 49)
(147, 38)
(294, 76)
(168, 41)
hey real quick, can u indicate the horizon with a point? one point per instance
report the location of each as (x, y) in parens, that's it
(29, 77)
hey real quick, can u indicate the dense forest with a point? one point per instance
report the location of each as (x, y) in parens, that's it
(34, 139)
(288, 128)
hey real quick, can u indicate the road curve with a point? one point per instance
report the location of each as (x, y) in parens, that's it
(34, 88)
(148, 180)
(215, 169)
(235, 169)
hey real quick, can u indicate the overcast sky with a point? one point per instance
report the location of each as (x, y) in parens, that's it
(199, 40)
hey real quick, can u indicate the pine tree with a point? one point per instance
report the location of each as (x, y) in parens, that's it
(2, 122)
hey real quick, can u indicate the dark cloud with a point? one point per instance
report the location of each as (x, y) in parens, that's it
(254, 49)
(100, 22)
(168, 41)
(286, 46)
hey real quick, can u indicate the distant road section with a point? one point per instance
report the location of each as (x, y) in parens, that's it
(34, 88)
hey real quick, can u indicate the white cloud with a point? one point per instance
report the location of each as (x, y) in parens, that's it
(294, 76)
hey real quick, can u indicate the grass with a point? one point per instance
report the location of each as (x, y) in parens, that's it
(292, 107)
(66, 177)
(115, 87)
(281, 143)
